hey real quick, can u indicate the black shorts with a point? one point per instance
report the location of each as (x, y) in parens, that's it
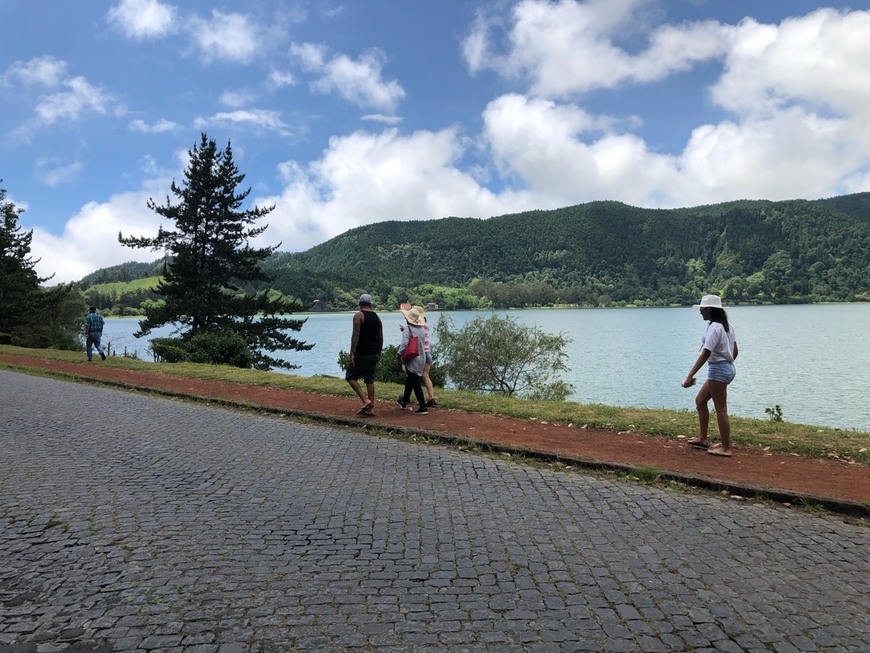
(364, 367)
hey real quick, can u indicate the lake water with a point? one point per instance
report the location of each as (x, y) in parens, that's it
(811, 360)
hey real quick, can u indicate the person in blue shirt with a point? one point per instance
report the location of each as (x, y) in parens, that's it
(93, 332)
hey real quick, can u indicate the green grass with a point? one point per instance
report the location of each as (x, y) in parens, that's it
(805, 440)
(116, 288)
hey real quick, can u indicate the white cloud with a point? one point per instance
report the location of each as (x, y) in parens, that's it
(562, 155)
(44, 71)
(280, 79)
(90, 238)
(161, 126)
(312, 56)
(569, 47)
(143, 19)
(80, 97)
(358, 81)
(364, 178)
(227, 37)
(52, 172)
(541, 145)
(799, 94)
(822, 60)
(258, 118)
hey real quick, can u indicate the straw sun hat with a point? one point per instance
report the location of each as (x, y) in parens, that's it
(413, 315)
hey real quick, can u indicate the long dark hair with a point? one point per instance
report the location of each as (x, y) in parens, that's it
(719, 315)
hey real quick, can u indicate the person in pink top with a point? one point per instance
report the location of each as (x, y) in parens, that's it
(427, 350)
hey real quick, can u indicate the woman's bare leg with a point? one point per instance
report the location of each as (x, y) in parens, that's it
(701, 400)
(719, 394)
(430, 390)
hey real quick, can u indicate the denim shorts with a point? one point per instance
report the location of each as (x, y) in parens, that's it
(428, 358)
(721, 371)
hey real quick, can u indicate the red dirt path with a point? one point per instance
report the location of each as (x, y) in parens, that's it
(752, 468)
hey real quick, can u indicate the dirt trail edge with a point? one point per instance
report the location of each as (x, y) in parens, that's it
(835, 485)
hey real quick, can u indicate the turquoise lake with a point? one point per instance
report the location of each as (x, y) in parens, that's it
(811, 360)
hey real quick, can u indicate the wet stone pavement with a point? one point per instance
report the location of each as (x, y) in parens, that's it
(135, 523)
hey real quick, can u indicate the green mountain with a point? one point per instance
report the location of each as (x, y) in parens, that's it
(597, 253)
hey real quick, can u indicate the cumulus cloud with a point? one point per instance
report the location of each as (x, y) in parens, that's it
(569, 47)
(562, 153)
(227, 37)
(364, 178)
(358, 81)
(89, 239)
(143, 19)
(797, 92)
(822, 60)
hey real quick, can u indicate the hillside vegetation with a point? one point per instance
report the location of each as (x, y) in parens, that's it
(600, 253)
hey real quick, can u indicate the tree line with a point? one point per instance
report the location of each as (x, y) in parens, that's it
(595, 254)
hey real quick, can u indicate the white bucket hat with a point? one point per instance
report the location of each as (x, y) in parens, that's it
(709, 301)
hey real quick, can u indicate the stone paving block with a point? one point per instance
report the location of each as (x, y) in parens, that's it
(159, 525)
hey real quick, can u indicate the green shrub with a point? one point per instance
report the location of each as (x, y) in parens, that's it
(168, 350)
(223, 347)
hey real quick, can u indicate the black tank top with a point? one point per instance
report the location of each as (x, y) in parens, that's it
(369, 334)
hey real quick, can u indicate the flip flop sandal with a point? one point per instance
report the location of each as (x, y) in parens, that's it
(697, 442)
(717, 451)
(366, 410)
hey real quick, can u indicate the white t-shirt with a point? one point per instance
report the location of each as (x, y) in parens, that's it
(719, 342)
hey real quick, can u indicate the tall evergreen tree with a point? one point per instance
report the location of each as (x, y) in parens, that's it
(209, 256)
(30, 315)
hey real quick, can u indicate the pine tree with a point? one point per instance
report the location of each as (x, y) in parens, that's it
(208, 257)
(30, 315)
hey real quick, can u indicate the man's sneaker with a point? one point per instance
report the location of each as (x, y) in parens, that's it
(103, 356)
(421, 411)
(431, 403)
(401, 403)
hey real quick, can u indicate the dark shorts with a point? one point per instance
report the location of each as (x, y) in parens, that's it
(363, 368)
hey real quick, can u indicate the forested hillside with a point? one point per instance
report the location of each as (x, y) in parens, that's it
(600, 253)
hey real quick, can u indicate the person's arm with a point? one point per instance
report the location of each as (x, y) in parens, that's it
(406, 339)
(354, 339)
(689, 381)
(735, 352)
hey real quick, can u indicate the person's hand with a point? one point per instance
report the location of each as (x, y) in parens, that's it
(688, 382)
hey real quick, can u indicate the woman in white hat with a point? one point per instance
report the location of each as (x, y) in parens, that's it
(415, 364)
(718, 350)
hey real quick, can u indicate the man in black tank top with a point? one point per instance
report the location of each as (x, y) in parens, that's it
(365, 352)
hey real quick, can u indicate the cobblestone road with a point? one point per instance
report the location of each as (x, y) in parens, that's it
(133, 523)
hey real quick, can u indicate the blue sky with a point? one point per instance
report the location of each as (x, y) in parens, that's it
(343, 114)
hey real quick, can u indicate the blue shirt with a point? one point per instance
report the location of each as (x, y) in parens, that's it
(94, 324)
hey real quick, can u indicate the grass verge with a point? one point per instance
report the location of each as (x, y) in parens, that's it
(810, 441)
